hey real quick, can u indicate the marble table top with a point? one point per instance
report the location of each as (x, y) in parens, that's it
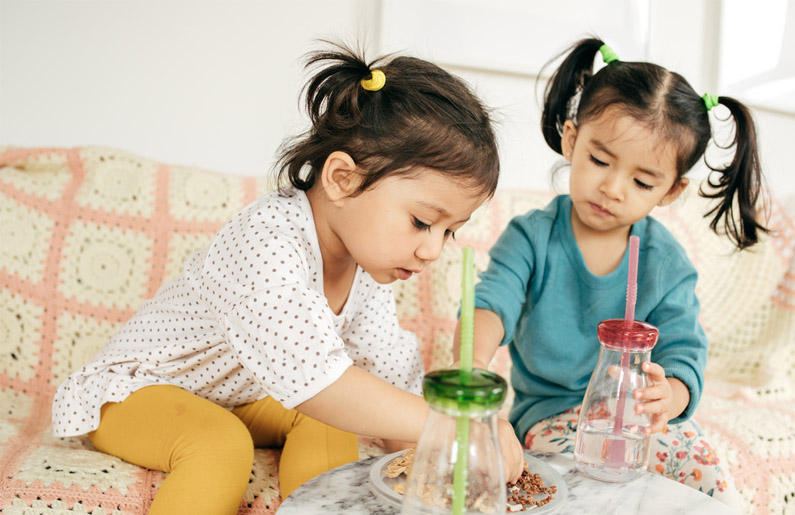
(346, 490)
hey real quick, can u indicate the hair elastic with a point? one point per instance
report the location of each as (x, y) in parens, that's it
(710, 100)
(375, 82)
(608, 54)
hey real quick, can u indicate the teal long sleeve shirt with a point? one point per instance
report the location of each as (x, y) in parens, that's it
(550, 304)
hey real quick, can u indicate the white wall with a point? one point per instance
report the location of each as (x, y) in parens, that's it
(215, 83)
(207, 83)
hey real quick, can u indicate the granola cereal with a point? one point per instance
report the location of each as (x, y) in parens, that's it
(521, 495)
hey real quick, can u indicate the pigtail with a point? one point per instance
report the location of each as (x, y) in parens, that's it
(392, 116)
(567, 81)
(335, 102)
(335, 94)
(739, 185)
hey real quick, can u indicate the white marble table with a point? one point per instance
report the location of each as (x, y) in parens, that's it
(345, 490)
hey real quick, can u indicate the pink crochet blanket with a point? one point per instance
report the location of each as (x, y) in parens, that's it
(89, 233)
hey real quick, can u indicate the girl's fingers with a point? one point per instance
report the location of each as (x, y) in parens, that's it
(657, 397)
(651, 393)
(657, 424)
(652, 407)
(655, 372)
(520, 461)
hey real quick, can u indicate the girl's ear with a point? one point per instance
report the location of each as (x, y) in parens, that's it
(675, 191)
(568, 139)
(339, 176)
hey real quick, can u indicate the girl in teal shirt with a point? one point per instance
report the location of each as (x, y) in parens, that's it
(630, 132)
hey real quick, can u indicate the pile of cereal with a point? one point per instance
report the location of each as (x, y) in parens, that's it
(520, 494)
(400, 465)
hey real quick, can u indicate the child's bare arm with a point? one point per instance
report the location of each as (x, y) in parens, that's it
(361, 403)
(488, 335)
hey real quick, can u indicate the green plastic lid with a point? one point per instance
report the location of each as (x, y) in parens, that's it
(445, 391)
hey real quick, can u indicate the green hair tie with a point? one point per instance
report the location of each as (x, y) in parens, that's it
(710, 100)
(608, 54)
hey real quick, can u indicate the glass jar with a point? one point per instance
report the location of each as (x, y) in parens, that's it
(611, 444)
(459, 447)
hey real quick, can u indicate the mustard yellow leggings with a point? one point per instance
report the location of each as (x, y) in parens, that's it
(208, 451)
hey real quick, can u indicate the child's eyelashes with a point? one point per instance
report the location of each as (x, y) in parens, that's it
(426, 227)
(421, 225)
(639, 183)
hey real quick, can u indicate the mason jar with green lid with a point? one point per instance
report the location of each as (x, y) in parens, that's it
(459, 444)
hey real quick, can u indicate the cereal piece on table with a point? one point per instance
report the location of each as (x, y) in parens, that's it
(401, 464)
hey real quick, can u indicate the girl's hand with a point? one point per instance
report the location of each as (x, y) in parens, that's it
(665, 399)
(512, 451)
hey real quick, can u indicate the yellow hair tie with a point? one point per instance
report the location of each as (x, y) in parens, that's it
(375, 82)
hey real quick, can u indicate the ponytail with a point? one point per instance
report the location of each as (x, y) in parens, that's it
(567, 81)
(392, 115)
(336, 93)
(739, 185)
(334, 100)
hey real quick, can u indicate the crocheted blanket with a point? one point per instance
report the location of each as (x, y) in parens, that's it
(89, 233)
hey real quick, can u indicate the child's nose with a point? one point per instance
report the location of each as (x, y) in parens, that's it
(613, 187)
(430, 248)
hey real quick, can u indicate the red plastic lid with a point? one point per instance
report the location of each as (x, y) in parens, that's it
(615, 334)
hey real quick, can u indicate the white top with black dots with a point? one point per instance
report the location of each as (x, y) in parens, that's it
(247, 319)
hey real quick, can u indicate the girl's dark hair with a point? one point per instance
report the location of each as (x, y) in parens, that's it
(422, 117)
(665, 103)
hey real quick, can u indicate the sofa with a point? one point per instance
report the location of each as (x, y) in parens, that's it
(86, 234)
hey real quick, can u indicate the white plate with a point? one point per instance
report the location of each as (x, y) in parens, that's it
(381, 485)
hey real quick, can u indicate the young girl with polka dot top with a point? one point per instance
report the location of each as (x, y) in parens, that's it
(283, 331)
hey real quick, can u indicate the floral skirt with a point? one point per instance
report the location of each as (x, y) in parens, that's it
(679, 452)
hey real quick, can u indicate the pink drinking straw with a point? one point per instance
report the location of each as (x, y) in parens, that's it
(617, 448)
(632, 282)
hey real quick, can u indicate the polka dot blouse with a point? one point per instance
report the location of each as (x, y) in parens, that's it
(247, 319)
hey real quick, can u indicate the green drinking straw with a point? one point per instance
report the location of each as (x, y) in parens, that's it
(465, 364)
(467, 315)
